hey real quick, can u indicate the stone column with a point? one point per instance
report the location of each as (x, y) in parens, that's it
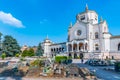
(72, 47)
(87, 46)
(67, 47)
(77, 47)
(84, 47)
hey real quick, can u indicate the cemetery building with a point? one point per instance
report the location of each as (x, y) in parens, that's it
(89, 36)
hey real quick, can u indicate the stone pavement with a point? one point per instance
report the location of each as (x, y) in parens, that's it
(19, 78)
(102, 74)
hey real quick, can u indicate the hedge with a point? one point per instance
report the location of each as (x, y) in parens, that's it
(59, 59)
(63, 59)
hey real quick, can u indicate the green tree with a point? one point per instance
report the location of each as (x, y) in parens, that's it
(17, 55)
(39, 51)
(31, 52)
(3, 56)
(25, 53)
(10, 46)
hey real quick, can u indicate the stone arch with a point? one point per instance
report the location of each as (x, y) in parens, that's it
(75, 47)
(119, 47)
(54, 49)
(106, 57)
(57, 49)
(81, 55)
(96, 35)
(75, 55)
(70, 55)
(112, 57)
(60, 49)
(51, 49)
(81, 46)
(96, 47)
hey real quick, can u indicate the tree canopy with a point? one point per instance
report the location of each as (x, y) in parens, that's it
(29, 52)
(39, 51)
(0, 34)
(10, 46)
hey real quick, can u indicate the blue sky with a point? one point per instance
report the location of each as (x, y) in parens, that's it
(30, 21)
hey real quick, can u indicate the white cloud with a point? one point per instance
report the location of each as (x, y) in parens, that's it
(7, 18)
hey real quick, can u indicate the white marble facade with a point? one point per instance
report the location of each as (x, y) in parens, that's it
(88, 36)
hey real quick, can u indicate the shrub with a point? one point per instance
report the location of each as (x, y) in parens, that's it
(78, 57)
(3, 56)
(70, 57)
(17, 55)
(38, 63)
(60, 59)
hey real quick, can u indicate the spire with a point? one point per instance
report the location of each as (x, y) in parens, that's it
(86, 8)
(101, 19)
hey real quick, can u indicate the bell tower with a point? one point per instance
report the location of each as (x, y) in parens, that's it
(46, 46)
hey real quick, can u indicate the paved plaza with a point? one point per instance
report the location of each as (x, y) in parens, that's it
(101, 73)
(19, 78)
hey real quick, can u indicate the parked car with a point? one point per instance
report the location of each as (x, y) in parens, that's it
(103, 63)
(97, 62)
(111, 62)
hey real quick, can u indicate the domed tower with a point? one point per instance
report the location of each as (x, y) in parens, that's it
(46, 47)
(88, 16)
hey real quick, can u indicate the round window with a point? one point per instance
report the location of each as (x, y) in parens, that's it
(79, 32)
